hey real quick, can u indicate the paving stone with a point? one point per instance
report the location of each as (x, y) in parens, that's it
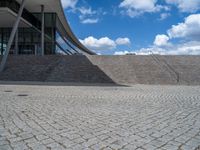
(19, 146)
(80, 117)
(5, 147)
(4, 142)
(47, 141)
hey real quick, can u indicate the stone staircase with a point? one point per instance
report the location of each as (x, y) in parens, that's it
(188, 68)
(184, 70)
(133, 69)
(53, 69)
(77, 69)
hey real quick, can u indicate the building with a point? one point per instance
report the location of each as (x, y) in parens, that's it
(36, 27)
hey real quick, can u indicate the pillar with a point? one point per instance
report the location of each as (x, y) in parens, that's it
(42, 30)
(12, 35)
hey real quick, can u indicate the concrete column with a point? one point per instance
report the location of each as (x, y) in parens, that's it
(12, 35)
(16, 43)
(42, 30)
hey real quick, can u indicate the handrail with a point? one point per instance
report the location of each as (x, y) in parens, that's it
(170, 68)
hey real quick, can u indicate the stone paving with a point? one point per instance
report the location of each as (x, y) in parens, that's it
(99, 118)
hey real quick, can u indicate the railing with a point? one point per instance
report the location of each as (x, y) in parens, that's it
(14, 6)
(166, 65)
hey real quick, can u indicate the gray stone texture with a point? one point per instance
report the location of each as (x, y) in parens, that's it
(157, 70)
(142, 117)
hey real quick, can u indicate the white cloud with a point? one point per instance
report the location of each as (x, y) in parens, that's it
(89, 16)
(104, 43)
(87, 11)
(161, 40)
(69, 3)
(123, 41)
(89, 21)
(190, 29)
(123, 52)
(86, 14)
(98, 44)
(163, 16)
(189, 48)
(186, 5)
(138, 7)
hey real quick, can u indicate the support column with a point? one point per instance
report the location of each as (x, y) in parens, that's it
(42, 30)
(12, 35)
(2, 42)
(16, 43)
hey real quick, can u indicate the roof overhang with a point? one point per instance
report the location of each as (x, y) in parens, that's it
(9, 17)
(56, 7)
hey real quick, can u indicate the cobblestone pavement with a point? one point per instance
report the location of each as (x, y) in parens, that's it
(94, 118)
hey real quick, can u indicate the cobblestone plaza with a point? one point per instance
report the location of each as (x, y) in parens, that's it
(106, 117)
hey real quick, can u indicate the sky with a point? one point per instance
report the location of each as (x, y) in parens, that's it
(142, 27)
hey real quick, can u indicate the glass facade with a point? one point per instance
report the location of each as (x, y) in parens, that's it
(29, 38)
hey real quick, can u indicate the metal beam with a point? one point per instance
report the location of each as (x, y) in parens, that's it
(42, 30)
(16, 43)
(65, 51)
(70, 45)
(10, 41)
(1, 42)
(66, 42)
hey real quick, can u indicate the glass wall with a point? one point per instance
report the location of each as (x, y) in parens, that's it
(66, 44)
(29, 38)
(50, 31)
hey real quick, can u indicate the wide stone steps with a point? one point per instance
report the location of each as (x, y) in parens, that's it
(104, 69)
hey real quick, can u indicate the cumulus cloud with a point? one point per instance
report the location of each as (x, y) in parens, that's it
(123, 52)
(189, 44)
(89, 21)
(103, 43)
(189, 29)
(86, 14)
(161, 40)
(138, 7)
(123, 41)
(186, 5)
(69, 3)
(163, 16)
(87, 11)
(189, 48)
(89, 16)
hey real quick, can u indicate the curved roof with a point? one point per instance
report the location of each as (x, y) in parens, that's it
(56, 6)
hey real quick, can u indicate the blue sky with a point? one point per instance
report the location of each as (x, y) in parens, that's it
(136, 26)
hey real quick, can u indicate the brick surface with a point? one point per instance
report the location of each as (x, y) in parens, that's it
(98, 118)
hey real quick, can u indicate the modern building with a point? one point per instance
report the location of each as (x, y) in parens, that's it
(36, 27)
